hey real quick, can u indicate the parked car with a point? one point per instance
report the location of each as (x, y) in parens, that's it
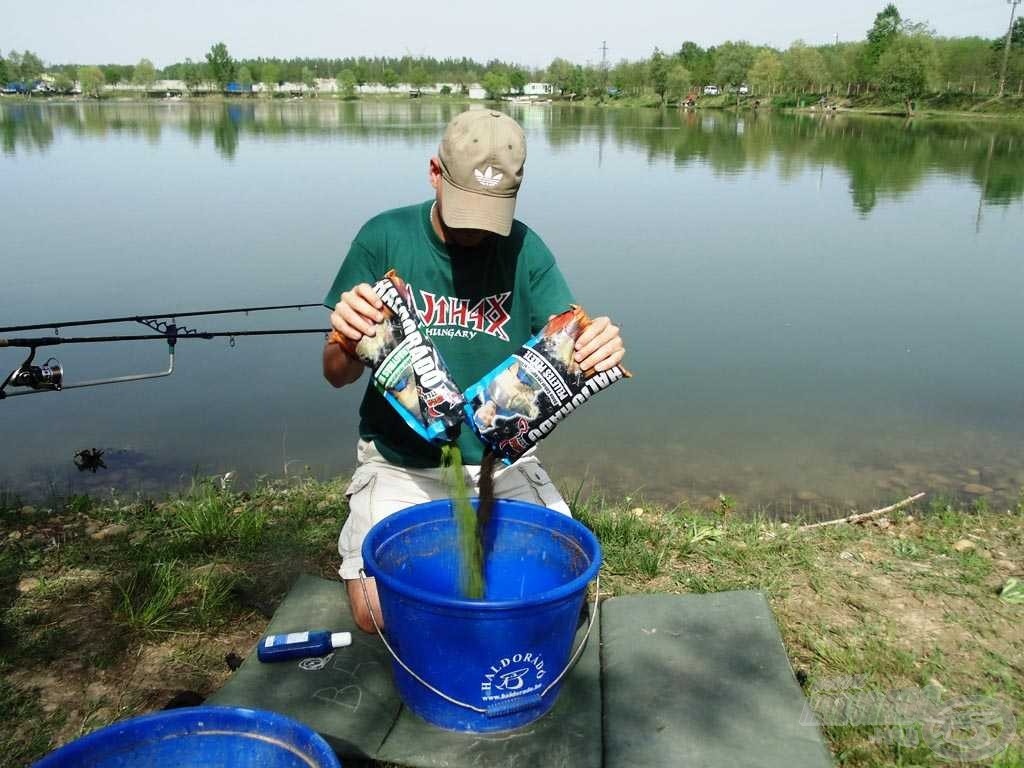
(711, 90)
(744, 89)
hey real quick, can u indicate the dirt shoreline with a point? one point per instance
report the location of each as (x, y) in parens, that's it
(119, 605)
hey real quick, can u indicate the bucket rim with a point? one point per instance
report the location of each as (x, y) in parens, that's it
(502, 508)
(227, 715)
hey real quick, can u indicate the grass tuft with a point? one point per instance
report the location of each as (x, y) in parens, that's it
(149, 597)
(212, 519)
(215, 597)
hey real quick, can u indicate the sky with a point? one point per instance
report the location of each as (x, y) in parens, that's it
(528, 32)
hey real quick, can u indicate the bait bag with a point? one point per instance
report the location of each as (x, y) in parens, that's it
(407, 368)
(522, 400)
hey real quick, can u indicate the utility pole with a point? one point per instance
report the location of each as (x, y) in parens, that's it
(604, 68)
(1006, 48)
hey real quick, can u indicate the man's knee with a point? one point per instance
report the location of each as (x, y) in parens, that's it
(360, 609)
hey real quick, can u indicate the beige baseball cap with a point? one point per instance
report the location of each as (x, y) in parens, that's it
(482, 155)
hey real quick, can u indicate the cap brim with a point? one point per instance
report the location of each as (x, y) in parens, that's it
(469, 210)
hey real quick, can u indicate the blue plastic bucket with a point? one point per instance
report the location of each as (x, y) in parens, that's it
(484, 665)
(226, 737)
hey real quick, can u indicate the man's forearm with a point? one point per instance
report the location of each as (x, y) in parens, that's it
(339, 367)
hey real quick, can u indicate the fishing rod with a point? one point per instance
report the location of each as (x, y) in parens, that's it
(147, 319)
(49, 377)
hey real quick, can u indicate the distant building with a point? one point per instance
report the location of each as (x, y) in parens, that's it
(376, 88)
(538, 89)
(476, 91)
(172, 87)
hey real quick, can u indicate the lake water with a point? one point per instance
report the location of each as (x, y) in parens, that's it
(819, 312)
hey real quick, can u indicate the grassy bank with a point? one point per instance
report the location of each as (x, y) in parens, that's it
(939, 104)
(116, 606)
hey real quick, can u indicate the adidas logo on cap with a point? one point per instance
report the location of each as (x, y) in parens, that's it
(487, 178)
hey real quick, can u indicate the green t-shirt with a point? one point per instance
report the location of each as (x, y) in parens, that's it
(478, 305)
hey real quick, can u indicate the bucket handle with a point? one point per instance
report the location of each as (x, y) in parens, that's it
(501, 708)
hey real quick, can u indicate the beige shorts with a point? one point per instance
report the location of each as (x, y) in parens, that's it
(380, 488)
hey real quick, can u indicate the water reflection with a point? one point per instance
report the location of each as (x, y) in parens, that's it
(805, 362)
(881, 157)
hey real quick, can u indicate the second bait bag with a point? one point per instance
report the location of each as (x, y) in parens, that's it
(522, 400)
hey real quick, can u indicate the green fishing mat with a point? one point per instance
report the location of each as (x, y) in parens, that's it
(665, 680)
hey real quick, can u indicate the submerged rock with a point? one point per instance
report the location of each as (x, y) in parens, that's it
(976, 489)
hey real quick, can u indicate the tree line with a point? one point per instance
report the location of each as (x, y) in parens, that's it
(897, 56)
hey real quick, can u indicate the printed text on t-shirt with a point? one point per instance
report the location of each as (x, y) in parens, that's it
(489, 315)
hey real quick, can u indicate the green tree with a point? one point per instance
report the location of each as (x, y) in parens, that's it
(679, 82)
(1009, 63)
(559, 73)
(766, 72)
(841, 62)
(418, 78)
(579, 82)
(1017, 36)
(270, 77)
(659, 69)
(851, 56)
(888, 23)
(145, 74)
(517, 79)
(389, 78)
(245, 79)
(117, 73)
(496, 83)
(628, 77)
(803, 67)
(91, 81)
(62, 82)
(733, 61)
(309, 80)
(30, 68)
(5, 77)
(14, 66)
(964, 59)
(221, 65)
(700, 62)
(908, 67)
(346, 80)
(192, 74)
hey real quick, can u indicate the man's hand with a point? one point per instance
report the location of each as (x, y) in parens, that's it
(357, 312)
(353, 317)
(599, 347)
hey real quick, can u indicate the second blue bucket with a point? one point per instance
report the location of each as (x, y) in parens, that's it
(483, 665)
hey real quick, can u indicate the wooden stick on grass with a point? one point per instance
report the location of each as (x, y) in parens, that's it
(860, 516)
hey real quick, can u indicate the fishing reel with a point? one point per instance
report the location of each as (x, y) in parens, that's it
(48, 377)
